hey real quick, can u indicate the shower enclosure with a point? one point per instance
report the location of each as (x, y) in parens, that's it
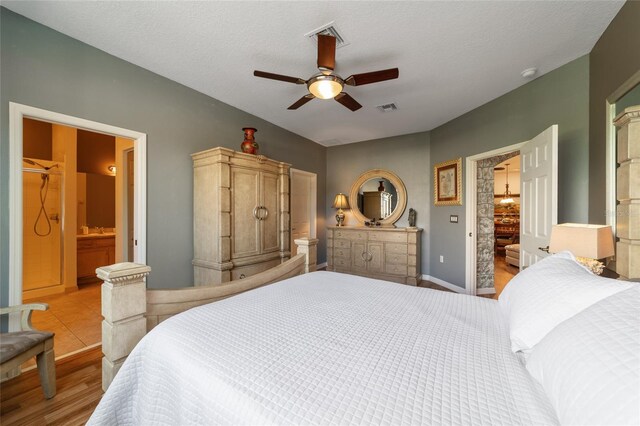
(42, 210)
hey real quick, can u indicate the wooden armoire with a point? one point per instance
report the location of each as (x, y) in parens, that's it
(240, 215)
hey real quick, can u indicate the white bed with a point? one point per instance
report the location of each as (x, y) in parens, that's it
(329, 348)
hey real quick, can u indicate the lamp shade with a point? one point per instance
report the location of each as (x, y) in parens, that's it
(592, 241)
(341, 202)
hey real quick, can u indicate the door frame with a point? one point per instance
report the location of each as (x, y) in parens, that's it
(313, 199)
(17, 112)
(471, 211)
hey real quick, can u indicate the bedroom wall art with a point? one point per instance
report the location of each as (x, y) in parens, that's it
(447, 183)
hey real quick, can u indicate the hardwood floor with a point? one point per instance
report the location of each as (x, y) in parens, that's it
(79, 389)
(503, 272)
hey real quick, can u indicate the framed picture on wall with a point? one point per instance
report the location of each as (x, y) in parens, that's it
(447, 183)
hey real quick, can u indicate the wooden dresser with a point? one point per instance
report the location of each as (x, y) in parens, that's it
(386, 253)
(240, 215)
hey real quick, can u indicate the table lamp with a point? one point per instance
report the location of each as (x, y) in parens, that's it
(340, 202)
(589, 243)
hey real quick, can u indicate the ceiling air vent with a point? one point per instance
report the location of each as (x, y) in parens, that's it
(387, 107)
(328, 29)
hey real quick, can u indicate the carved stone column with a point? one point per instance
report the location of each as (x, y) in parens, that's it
(628, 193)
(309, 247)
(123, 307)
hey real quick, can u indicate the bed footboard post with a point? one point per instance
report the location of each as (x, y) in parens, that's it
(308, 247)
(123, 307)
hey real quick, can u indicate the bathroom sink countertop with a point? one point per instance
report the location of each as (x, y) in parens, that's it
(96, 235)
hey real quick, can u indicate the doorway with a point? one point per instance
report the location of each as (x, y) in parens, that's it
(506, 219)
(71, 202)
(303, 206)
(538, 209)
(62, 123)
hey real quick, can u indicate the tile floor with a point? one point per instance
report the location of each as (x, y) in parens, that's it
(74, 317)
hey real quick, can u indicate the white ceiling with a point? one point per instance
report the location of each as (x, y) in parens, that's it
(453, 56)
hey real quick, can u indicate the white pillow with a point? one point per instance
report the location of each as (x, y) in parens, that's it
(589, 366)
(547, 293)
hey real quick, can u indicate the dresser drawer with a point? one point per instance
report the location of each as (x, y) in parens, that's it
(241, 272)
(395, 269)
(396, 259)
(395, 248)
(341, 244)
(394, 237)
(341, 262)
(350, 234)
(340, 252)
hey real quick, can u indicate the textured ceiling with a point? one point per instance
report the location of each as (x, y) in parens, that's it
(453, 56)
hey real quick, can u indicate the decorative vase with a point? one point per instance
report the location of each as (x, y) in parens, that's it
(381, 187)
(249, 145)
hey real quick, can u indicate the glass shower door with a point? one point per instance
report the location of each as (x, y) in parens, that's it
(42, 211)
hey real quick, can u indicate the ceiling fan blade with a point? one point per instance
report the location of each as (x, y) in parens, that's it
(326, 52)
(303, 100)
(279, 77)
(346, 100)
(372, 77)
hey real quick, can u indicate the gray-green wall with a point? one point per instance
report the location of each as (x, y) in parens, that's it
(46, 69)
(613, 60)
(560, 97)
(407, 156)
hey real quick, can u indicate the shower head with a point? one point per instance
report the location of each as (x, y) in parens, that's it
(34, 163)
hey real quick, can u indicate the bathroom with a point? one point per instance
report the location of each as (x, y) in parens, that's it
(77, 192)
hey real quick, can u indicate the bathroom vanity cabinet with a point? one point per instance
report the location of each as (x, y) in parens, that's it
(94, 251)
(240, 215)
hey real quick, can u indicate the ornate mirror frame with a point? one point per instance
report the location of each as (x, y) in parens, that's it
(391, 177)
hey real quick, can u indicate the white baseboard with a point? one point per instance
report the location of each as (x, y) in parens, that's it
(480, 291)
(444, 284)
(321, 265)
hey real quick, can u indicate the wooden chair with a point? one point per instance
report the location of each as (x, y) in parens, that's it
(18, 347)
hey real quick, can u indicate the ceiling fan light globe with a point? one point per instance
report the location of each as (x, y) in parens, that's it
(325, 86)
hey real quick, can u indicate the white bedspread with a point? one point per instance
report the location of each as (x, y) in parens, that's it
(328, 348)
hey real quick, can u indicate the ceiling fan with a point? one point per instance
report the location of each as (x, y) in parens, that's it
(328, 85)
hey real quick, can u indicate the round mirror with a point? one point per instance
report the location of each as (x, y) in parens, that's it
(378, 195)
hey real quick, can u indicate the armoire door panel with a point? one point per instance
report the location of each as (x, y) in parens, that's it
(244, 200)
(269, 200)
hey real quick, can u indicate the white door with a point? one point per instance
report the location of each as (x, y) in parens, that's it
(303, 206)
(539, 195)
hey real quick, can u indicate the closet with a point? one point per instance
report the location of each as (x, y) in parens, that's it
(240, 215)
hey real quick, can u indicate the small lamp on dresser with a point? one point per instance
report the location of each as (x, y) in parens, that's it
(340, 202)
(589, 243)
